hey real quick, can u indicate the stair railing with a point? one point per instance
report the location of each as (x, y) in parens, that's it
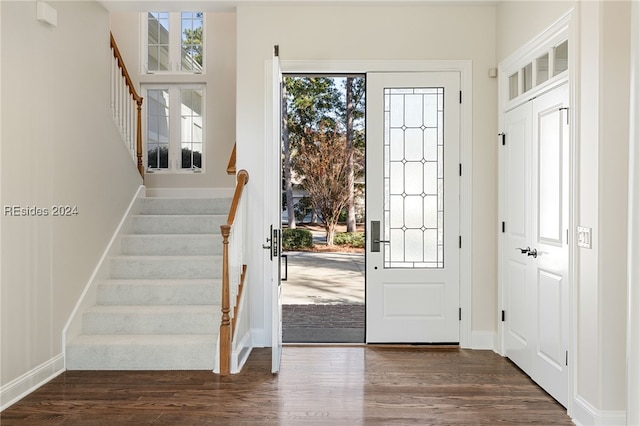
(126, 106)
(232, 267)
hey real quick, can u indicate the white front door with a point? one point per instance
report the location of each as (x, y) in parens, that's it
(536, 250)
(274, 188)
(412, 205)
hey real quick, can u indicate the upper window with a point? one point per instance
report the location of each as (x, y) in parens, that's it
(174, 42)
(543, 68)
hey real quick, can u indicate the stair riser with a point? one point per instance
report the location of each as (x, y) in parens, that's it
(186, 206)
(151, 323)
(158, 294)
(157, 268)
(177, 224)
(195, 356)
(169, 245)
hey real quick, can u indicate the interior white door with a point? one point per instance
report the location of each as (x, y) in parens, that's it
(550, 231)
(517, 235)
(412, 204)
(536, 251)
(275, 188)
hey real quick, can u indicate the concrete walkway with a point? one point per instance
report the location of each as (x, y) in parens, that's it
(323, 298)
(323, 278)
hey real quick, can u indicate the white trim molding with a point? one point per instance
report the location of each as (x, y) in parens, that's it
(20, 387)
(586, 414)
(483, 339)
(633, 274)
(465, 69)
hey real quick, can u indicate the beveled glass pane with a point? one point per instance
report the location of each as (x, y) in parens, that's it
(413, 211)
(431, 144)
(413, 110)
(397, 111)
(431, 178)
(396, 184)
(413, 245)
(431, 110)
(396, 144)
(431, 211)
(430, 245)
(413, 144)
(413, 178)
(396, 213)
(397, 249)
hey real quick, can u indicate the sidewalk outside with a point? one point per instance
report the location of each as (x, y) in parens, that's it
(323, 298)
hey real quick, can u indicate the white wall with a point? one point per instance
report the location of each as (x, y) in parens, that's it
(59, 146)
(368, 33)
(602, 107)
(220, 81)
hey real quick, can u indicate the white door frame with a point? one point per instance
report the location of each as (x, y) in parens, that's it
(464, 67)
(564, 28)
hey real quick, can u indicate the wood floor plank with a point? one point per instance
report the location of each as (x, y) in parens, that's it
(317, 385)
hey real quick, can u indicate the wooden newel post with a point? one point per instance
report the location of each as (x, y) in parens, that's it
(225, 325)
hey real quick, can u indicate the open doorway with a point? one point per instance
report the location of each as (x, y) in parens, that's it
(323, 146)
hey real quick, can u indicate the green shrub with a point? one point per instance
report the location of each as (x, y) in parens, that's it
(352, 239)
(295, 239)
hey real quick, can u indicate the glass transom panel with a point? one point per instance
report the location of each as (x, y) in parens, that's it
(414, 177)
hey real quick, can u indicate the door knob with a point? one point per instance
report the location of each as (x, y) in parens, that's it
(524, 250)
(533, 253)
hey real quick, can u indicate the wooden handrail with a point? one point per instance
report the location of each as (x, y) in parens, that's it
(225, 324)
(231, 167)
(137, 98)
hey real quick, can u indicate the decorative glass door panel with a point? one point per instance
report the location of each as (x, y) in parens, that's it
(414, 177)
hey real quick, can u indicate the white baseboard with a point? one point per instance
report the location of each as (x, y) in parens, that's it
(585, 414)
(241, 353)
(190, 192)
(258, 338)
(17, 389)
(483, 339)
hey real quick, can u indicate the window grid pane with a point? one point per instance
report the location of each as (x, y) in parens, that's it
(191, 128)
(191, 42)
(414, 177)
(158, 129)
(158, 41)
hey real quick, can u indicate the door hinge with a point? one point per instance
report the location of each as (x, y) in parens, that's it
(460, 241)
(566, 358)
(461, 96)
(503, 137)
(276, 50)
(459, 314)
(503, 316)
(460, 164)
(504, 227)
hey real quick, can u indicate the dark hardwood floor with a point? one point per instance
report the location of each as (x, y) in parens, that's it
(318, 385)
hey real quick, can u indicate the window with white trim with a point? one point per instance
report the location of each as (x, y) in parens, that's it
(173, 42)
(175, 127)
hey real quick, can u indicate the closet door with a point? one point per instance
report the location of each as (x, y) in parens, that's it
(536, 251)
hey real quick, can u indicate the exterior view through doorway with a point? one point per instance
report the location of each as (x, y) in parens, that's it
(323, 147)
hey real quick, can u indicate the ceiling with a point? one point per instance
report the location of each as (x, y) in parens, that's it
(231, 5)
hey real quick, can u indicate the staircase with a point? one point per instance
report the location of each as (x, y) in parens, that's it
(160, 307)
